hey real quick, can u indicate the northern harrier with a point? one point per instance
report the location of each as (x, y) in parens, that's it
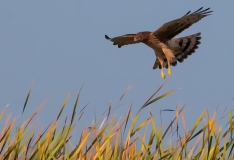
(168, 50)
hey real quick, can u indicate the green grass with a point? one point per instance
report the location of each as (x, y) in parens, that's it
(113, 138)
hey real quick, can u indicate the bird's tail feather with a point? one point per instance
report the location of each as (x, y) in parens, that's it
(182, 47)
(157, 64)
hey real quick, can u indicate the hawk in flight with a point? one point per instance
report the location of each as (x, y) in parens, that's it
(168, 50)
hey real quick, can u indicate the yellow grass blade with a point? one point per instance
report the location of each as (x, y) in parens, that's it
(35, 113)
(28, 95)
(127, 89)
(129, 111)
(155, 99)
(140, 126)
(133, 125)
(78, 148)
(116, 148)
(64, 104)
(3, 111)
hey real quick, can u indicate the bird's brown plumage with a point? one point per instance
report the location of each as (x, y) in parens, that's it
(172, 28)
(168, 50)
(123, 40)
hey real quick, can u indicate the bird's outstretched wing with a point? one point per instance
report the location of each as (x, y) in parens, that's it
(123, 40)
(172, 28)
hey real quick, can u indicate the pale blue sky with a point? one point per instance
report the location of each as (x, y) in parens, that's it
(61, 45)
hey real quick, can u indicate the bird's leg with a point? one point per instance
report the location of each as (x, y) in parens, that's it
(169, 55)
(162, 67)
(162, 73)
(169, 68)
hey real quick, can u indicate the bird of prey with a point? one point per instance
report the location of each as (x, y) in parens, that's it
(168, 50)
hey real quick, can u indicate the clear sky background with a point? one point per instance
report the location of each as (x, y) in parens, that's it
(61, 45)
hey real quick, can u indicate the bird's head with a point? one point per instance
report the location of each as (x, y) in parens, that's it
(139, 37)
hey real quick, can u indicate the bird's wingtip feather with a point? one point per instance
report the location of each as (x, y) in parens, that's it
(107, 37)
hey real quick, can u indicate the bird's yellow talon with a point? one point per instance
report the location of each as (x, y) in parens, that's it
(163, 75)
(169, 72)
(169, 69)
